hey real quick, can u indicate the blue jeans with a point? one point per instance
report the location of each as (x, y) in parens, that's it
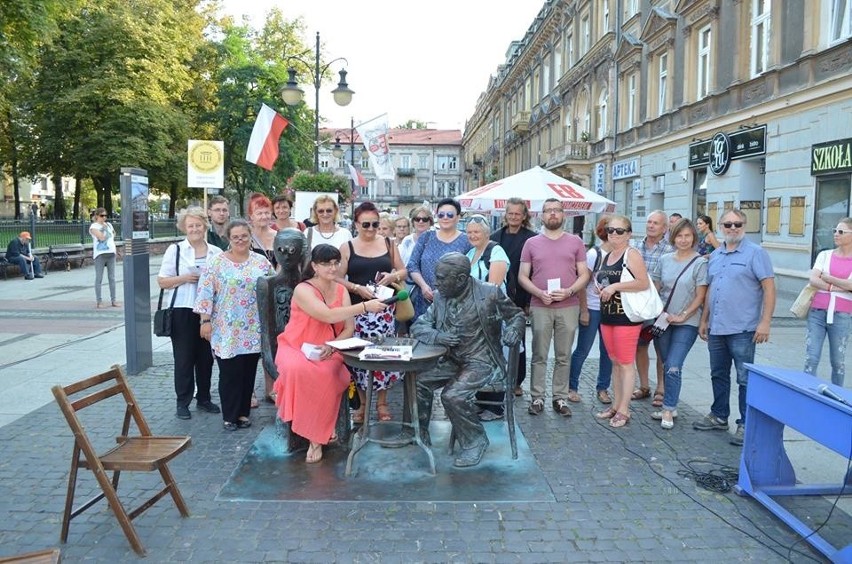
(838, 334)
(585, 339)
(674, 345)
(725, 349)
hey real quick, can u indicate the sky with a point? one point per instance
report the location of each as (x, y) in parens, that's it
(424, 61)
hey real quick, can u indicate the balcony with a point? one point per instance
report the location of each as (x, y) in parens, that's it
(405, 172)
(521, 122)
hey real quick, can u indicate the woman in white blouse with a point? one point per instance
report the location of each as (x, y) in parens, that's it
(181, 268)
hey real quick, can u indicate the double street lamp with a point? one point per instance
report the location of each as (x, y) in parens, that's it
(292, 94)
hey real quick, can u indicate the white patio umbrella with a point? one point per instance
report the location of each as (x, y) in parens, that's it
(535, 186)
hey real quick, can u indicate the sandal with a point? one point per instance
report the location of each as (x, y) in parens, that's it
(619, 420)
(641, 393)
(604, 397)
(573, 396)
(358, 415)
(314, 453)
(253, 403)
(607, 413)
(658, 400)
(383, 411)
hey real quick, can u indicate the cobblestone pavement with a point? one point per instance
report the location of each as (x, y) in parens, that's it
(619, 498)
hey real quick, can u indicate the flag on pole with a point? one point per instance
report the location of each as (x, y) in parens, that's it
(263, 146)
(375, 136)
(356, 176)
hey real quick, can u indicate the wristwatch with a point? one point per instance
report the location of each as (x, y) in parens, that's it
(203, 321)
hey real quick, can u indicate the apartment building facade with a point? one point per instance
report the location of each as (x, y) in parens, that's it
(690, 106)
(429, 165)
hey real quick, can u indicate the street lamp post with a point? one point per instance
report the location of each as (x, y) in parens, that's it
(338, 152)
(292, 94)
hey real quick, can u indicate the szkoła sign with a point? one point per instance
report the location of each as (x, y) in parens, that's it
(831, 157)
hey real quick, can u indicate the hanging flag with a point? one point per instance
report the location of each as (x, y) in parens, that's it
(356, 176)
(375, 136)
(263, 146)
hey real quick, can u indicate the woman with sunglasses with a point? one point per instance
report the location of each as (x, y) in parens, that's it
(831, 310)
(489, 263)
(325, 231)
(309, 391)
(227, 305)
(421, 221)
(620, 335)
(103, 253)
(282, 207)
(432, 246)
(371, 260)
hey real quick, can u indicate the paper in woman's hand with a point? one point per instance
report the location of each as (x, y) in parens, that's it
(346, 344)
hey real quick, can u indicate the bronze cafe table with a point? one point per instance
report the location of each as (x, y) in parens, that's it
(423, 357)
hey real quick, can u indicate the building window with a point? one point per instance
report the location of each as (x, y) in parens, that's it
(446, 163)
(423, 186)
(545, 76)
(423, 163)
(631, 7)
(557, 66)
(631, 100)
(760, 20)
(832, 205)
(569, 49)
(662, 84)
(704, 67)
(841, 20)
(586, 35)
(323, 163)
(405, 161)
(568, 133)
(527, 94)
(605, 19)
(602, 109)
(388, 187)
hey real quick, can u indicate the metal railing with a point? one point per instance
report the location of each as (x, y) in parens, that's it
(46, 232)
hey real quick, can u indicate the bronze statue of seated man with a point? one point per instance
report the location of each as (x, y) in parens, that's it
(474, 320)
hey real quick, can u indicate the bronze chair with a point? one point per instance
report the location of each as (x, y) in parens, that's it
(505, 387)
(142, 453)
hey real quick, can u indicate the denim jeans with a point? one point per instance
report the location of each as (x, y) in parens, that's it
(838, 334)
(725, 349)
(585, 339)
(674, 345)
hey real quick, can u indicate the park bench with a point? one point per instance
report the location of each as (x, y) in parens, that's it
(5, 265)
(66, 254)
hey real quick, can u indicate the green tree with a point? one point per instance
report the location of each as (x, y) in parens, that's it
(413, 124)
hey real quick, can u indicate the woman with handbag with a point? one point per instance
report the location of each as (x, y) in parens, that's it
(831, 309)
(179, 273)
(620, 334)
(489, 263)
(309, 391)
(682, 279)
(368, 262)
(103, 253)
(227, 305)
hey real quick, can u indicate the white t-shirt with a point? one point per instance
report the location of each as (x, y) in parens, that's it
(105, 246)
(336, 240)
(188, 262)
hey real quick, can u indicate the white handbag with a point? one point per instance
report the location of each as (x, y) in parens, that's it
(643, 305)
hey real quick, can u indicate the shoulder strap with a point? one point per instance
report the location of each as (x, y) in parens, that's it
(685, 268)
(486, 254)
(598, 258)
(177, 273)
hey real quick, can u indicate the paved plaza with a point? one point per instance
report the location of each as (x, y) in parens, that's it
(611, 496)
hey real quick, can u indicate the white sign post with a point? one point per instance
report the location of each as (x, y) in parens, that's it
(205, 165)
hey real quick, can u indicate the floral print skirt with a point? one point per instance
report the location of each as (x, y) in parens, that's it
(370, 326)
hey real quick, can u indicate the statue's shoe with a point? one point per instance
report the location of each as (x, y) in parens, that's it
(471, 456)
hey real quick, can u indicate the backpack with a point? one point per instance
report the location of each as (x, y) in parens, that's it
(486, 255)
(598, 258)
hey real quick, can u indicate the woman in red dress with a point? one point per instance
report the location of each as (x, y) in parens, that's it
(309, 391)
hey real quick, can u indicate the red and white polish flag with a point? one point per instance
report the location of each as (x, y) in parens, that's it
(263, 146)
(356, 176)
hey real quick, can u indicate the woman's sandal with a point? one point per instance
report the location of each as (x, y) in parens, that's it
(658, 400)
(358, 415)
(383, 411)
(607, 413)
(619, 420)
(641, 393)
(314, 453)
(253, 403)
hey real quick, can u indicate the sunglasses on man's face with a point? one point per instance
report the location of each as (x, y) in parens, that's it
(369, 224)
(617, 230)
(729, 224)
(448, 215)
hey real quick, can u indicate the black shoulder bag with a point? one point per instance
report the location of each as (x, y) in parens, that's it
(163, 317)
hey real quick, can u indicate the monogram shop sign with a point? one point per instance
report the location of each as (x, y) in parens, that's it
(718, 152)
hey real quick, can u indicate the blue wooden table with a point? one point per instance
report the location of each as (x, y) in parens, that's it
(779, 398)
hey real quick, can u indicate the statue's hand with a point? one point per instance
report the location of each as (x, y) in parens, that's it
(510, 337)
(447, 339)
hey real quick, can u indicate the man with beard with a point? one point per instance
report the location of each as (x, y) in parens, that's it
(512, 236)
(219, 214)
(737, 313)
(553, 270)
(473, 319)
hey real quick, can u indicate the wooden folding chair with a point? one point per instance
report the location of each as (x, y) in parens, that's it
(143, 453)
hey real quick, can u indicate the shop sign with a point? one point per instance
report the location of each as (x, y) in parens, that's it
(720, 154)
(741, 144)
(600, 171)
(625, 169)
(831, 157)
